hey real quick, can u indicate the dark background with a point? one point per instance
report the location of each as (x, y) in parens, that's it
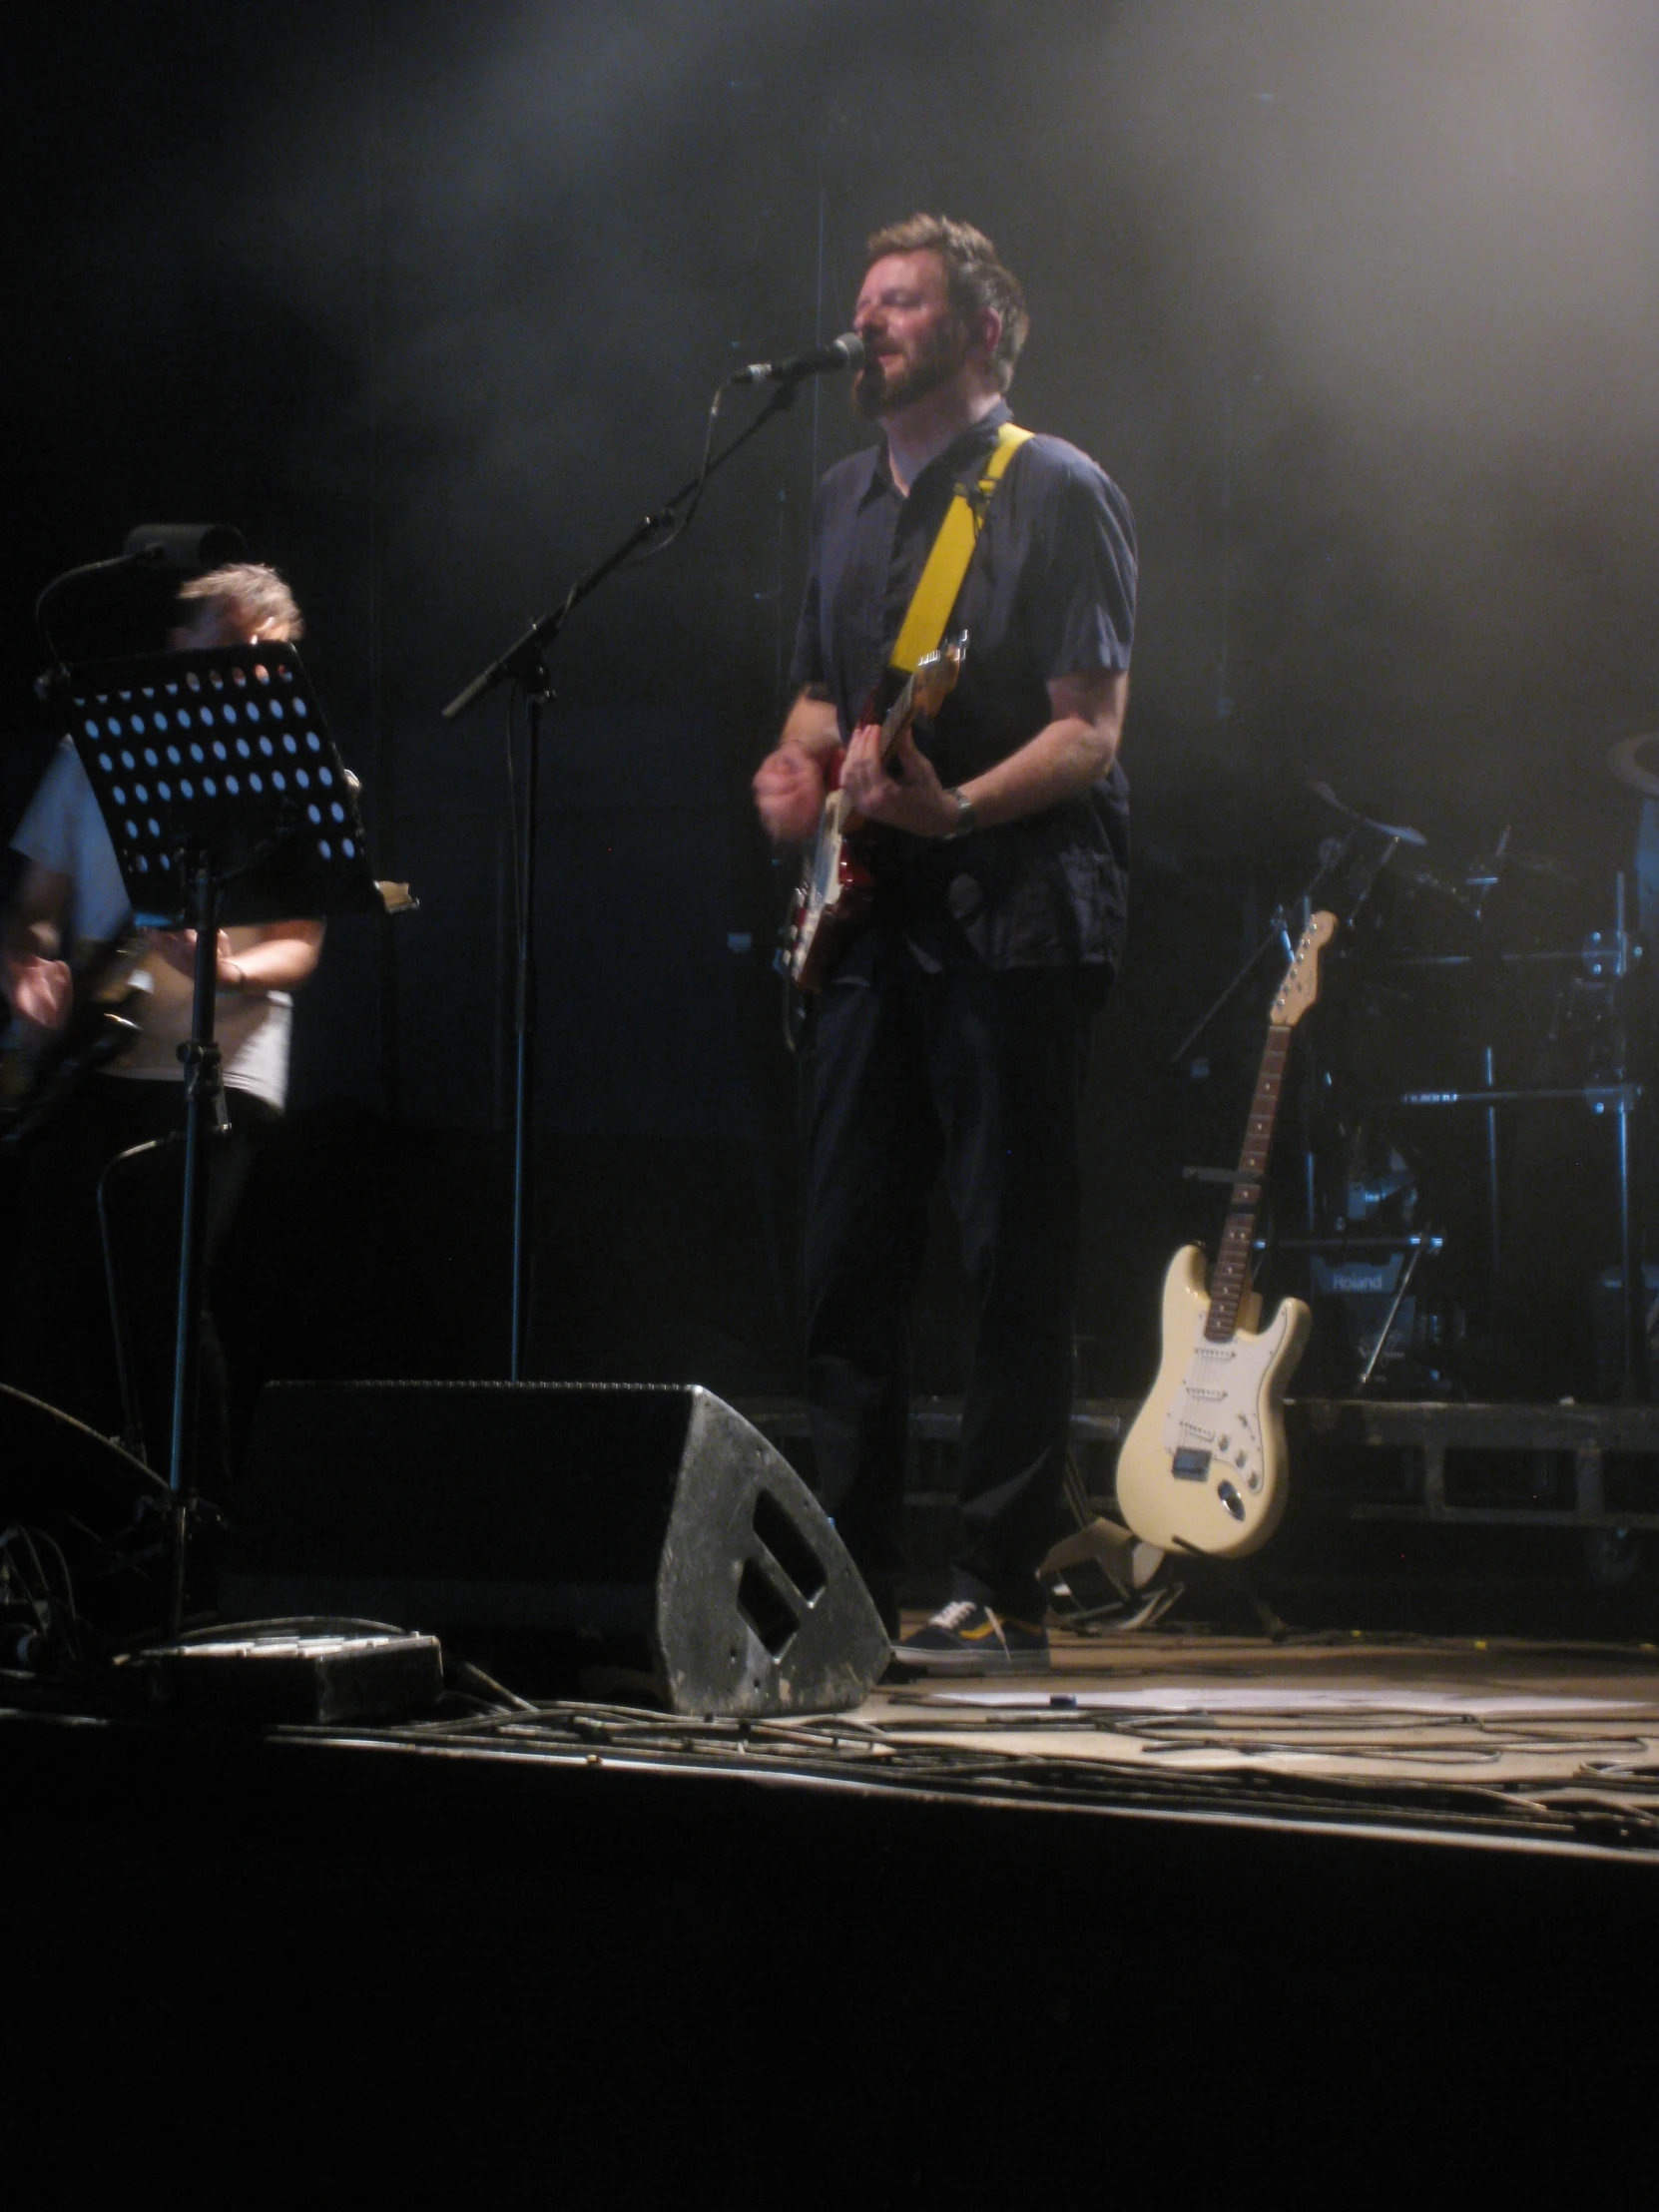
(1357, 303)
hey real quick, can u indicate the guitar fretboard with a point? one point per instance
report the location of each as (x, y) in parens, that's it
(898, 716)
(1231, 1278)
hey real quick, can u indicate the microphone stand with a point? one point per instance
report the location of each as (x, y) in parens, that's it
(524, 665)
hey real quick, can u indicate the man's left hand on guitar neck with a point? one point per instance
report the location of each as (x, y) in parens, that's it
(1057, 761)
(904, 791)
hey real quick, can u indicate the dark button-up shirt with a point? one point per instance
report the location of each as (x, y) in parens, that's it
(1051, 592)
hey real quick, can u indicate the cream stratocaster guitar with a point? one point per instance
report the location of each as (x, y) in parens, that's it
(834, 893)
(1203, 1467)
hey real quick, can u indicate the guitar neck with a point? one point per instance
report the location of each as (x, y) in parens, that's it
(898, 716)
(894, 722)
(1231, 1277)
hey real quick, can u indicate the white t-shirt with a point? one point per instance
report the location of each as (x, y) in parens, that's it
(64, 831)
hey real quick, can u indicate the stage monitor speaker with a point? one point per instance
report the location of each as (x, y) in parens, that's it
(606, 1507)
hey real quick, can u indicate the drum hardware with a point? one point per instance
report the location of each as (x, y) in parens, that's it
(1424, 878)
(1626, 760)
(1357, 1274)
(1607, 959)
(1397, 831)
(1290, 917)
(1569, 956)
(1400, 1029)
(1418, 1248)
(1621, 1097)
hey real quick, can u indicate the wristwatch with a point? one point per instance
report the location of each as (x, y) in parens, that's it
(965, 815)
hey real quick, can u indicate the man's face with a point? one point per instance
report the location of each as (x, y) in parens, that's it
(914, 341)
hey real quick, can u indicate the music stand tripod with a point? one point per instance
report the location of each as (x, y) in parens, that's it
(226, 803)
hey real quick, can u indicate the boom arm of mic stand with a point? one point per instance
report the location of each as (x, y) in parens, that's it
(1278, 932)
(528, 648)
(523, 663)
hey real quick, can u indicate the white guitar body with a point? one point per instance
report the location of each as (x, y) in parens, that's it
(1203, 1467)
(831, 895)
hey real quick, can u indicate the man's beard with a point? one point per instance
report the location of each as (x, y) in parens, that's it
(876, 391)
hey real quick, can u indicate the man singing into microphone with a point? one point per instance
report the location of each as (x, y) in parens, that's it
(953, 1029)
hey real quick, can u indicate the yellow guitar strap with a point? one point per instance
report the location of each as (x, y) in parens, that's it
(942, 579)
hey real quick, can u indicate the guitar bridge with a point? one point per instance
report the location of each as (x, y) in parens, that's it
(1190, 1464)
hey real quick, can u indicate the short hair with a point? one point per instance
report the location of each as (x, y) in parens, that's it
(977, 279)
(254, 589)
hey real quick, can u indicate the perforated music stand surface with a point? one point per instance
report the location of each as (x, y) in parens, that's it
(223, 754)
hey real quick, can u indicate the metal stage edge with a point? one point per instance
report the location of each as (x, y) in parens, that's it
(1423, 1431)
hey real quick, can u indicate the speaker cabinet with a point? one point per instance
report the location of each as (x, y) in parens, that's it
(631, 1509)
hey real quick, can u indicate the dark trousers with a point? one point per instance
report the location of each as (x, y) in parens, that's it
(58, 1339)
(905, 1071)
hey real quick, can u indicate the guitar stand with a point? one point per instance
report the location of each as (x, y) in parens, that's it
(1111, 1555)
(1228, 1577)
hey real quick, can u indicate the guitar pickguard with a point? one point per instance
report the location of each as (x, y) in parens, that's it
(1214, 1415)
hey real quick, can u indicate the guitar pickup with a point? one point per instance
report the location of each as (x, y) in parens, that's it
(1190, 1466)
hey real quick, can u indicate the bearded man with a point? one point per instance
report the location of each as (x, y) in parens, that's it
(953, 1030)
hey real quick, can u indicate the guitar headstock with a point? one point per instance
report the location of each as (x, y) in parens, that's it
(935, 674)
(1302, 978)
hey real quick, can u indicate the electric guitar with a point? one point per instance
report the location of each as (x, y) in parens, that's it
(1203, 1467)
(39, 1068)
(834, 891)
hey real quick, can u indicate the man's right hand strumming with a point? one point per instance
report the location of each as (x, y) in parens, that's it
(40, 991)
(36, 981)
(790, 789)
(790, 783)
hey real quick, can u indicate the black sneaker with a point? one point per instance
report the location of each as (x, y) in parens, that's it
(966, 1638)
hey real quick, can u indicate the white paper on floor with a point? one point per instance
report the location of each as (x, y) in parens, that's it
(1288, 1698)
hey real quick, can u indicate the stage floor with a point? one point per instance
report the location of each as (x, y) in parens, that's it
(1220, 1906)
(1553, 1742)
(1550, 1747)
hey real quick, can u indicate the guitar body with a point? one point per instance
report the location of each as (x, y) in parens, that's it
(1203, 1467)
(834, 894)
(830, 900)
(41, 1068)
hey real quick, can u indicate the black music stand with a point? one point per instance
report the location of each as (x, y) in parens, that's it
(226, 803)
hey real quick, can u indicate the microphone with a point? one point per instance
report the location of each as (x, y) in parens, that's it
(846, 351)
